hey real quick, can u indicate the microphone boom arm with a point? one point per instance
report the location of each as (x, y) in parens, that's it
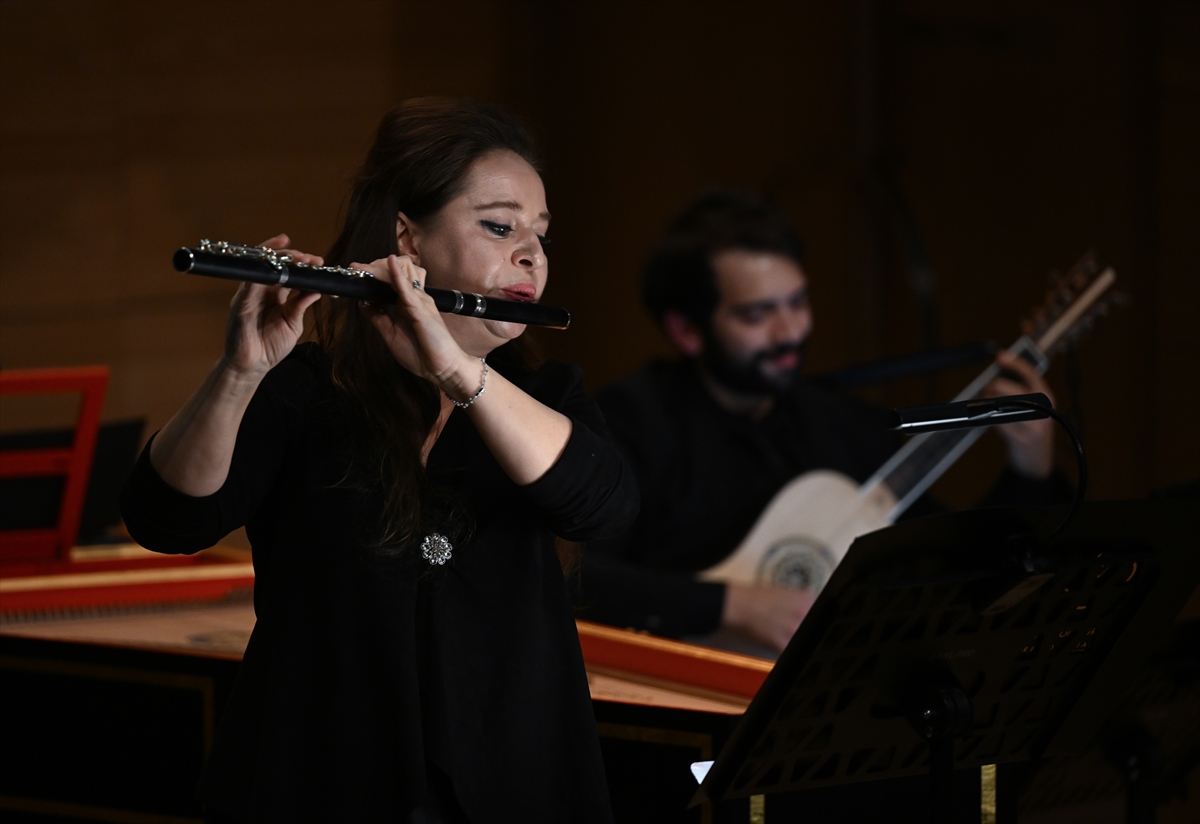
(990, 412)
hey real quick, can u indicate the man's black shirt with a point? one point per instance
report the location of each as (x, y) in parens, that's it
(706, 475)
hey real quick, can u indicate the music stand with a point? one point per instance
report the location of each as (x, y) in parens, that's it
(1144, 752)
(964, 640)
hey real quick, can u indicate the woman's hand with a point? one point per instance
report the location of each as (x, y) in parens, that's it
(415, 332)
(1030, 443)
(525, 436)
(192, 453)
(266, 321)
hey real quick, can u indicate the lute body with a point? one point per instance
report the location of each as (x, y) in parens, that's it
(805, 531)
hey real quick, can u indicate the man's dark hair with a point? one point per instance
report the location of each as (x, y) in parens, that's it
(679, 274)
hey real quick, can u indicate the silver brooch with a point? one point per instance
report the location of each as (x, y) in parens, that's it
(436, 549)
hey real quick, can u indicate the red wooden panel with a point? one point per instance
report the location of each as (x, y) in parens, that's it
(30, 463)
(42, 567)
(91, 382)
(28, 544)
(127, 577)
(669, 660)
(122, 595)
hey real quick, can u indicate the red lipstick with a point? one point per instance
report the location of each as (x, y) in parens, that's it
(524, 292)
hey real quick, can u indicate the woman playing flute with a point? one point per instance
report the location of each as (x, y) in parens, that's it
(401, 480)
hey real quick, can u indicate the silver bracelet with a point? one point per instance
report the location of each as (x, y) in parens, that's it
(475, 397)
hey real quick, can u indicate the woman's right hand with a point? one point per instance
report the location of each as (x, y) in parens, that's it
(193, 452)
(266, 321)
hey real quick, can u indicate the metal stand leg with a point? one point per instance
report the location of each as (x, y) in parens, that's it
(1139, 757)
(941, 780)
(939, 713)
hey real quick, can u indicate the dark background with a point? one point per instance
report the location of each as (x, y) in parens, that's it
(1015, 135)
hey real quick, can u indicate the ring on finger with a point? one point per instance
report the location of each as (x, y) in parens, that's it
(416, 284)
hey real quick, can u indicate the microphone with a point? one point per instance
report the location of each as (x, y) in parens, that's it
(968, 414)
(992, 411)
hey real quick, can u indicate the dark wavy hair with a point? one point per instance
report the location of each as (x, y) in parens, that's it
(423, 152)
(679, 273)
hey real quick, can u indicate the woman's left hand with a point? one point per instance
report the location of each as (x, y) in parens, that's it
(415, 332)
(525, 436)
(1030, 443)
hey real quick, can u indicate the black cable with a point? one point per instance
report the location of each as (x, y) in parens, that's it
(1080, 458)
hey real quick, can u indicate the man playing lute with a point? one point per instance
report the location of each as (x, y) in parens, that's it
(715, 434)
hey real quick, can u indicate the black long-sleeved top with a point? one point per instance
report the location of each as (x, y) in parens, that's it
(362, 668)
(706, 475)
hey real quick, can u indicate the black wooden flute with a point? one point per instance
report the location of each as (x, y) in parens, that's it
(258, 264)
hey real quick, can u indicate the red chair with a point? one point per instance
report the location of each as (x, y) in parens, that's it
(54, 544)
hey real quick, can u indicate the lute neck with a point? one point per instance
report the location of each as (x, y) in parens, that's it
(924, 459)
(921, 461)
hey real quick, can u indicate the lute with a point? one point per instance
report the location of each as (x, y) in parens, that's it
(809, 525)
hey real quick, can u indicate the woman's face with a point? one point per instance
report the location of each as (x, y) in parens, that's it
(488, 240)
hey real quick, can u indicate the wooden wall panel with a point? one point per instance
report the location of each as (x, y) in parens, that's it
(1175, 350)
(645, 105)
(1022, 134)
(1027, 134)
(131, 128)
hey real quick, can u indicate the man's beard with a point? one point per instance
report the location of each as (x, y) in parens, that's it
(747, 376)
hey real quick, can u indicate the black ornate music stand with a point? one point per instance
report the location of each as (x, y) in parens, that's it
(964, 640)
(1144, 752)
